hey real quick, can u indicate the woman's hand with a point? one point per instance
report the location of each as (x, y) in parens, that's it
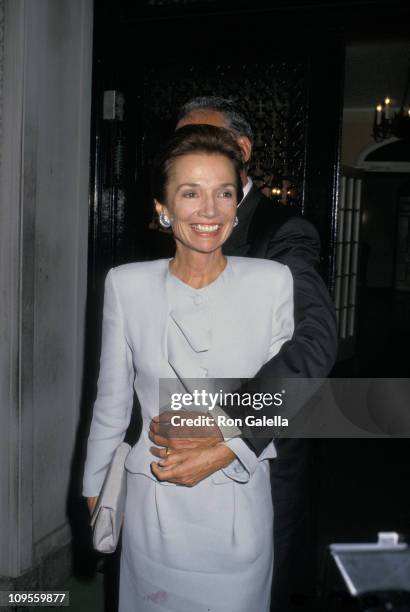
(189, 466)
(91, 501)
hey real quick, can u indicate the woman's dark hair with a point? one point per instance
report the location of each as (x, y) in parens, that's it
(192, 139)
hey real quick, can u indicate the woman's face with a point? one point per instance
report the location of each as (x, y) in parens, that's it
(201, 200)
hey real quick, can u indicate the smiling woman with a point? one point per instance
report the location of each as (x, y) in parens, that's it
(190, 544)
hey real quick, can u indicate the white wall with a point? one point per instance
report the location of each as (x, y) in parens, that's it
(43, 241)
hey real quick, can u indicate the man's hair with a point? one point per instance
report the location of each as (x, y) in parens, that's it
(235, 119)
(192, 139)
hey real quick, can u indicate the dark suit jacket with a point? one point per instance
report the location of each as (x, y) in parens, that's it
(272, 231)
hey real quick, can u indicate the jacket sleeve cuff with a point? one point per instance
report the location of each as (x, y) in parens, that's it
(93, 481)
(246, 462)
(90, 492)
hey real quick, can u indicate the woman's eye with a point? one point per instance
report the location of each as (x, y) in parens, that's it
(226, 194)
(189, 194)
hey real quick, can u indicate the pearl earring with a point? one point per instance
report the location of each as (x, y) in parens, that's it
(164, 221)
(235, 221)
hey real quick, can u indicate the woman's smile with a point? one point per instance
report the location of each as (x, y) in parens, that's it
(206, 230)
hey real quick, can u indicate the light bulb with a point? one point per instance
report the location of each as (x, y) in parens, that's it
(387, 101)
(379, 108)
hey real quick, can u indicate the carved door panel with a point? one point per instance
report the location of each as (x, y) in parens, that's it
(295, 159)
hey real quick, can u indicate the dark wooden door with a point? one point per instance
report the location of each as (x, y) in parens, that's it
(290, 87)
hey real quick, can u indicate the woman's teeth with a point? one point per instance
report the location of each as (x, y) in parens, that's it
(205, 228)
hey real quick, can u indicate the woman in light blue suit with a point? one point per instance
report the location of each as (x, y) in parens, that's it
(203, 316)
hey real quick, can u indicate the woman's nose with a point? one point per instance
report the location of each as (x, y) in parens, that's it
(209, 206)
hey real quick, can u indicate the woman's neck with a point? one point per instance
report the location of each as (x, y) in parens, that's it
(197, 269)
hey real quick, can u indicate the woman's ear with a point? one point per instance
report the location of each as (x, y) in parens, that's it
(246, 148)
(160, 208)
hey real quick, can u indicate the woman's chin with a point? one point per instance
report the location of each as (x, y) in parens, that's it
(203, 243)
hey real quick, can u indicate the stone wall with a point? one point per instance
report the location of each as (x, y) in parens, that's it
(46, 106)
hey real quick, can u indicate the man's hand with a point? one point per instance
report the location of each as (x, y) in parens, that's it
(188, 466)
(164, 433)
(194, 451)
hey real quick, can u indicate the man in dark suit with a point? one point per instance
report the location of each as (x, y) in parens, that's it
(272, 231)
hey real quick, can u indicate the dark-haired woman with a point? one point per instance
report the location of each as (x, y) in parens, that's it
(208, 547)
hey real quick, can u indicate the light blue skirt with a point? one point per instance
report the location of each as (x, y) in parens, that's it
(206, 548)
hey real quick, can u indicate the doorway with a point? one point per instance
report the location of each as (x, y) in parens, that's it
(384, 310)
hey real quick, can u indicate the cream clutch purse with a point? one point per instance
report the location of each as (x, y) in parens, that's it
(106, 520)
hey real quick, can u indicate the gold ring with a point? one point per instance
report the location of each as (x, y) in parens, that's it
(168, 451)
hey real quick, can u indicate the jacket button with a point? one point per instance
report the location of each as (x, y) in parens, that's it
(237, 467)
